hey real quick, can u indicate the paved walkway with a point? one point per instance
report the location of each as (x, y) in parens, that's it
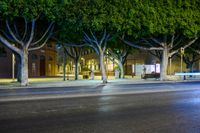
(58, 82)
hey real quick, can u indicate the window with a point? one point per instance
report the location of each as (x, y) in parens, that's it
(3, 52)
(42, 57)
(49, 68)
(34, 57)
(33, 69)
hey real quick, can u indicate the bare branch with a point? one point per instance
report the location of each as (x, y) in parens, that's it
(32, 33)
(176, 44)
(110, 52)
(42, 45)
(190, 43)
(35, 48)
(97, 50)
(113, 60)
(94, 37)
(173, 52)
(172, 42)
(16, 30)
(68, 53)
(141, 47)
(154, 54)
(12, 34)
(87, 39)
(25, 29)
(103, 37)
(156, 41)
(48, 29)
(9, 45)
(105, 42)
(184, 47)
(147, 42)
(7, 36)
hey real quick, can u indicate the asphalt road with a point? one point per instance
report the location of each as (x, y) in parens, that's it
(161, 112)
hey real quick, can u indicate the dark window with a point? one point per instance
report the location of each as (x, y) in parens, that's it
(3, 52)
(42, 57)
(34, 57)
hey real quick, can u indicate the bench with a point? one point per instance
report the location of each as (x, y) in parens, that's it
(150, 75)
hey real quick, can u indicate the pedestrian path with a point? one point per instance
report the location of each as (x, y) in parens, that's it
(58, 82)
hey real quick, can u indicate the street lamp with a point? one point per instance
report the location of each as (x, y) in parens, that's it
(182, 53)
(13, 67)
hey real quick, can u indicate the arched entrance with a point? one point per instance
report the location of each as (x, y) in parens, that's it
(42, 66)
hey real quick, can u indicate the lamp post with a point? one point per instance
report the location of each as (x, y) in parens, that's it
(170, 66)
(64, 66)
(13, 67)
(182, 53)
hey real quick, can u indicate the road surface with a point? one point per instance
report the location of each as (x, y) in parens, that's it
(155, 112)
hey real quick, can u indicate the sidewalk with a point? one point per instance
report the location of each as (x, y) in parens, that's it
(58, 82)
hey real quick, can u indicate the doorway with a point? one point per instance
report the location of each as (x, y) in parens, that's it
(42, 65)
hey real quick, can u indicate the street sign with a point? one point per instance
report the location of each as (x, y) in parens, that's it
(182, 51)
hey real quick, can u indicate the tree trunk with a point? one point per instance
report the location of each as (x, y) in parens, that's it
(76, 69)
(123, 63)
(164, 64)
(121, 66)
(18, 68)
(24, 67)
(103, 70)
(191, 67)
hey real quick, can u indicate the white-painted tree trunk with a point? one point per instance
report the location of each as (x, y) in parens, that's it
(103, 70)
(121, 66)
(24, 67)
(18, 68)
(76, 69)
(164, 64)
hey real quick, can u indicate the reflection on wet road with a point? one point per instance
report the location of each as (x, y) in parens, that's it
(169, 112)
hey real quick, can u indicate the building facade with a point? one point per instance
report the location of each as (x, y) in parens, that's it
(42, 62)
(133, 66)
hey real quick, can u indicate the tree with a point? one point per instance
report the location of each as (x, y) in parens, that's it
(190, 56)
(118, 54)
(26, 44)
(165, 26)
(75, 54)
(21, 37)
(100, 47)
(168, 49)
(91, 19)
